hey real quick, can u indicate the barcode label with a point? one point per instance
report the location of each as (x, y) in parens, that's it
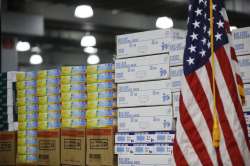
(98, 144)
(95, 156)
(43, 157)
(5, 146)
(74, 144)
(47, 144)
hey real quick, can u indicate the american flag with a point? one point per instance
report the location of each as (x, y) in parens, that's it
(194, 130)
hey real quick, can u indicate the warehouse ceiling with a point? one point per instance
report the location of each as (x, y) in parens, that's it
(61, 32)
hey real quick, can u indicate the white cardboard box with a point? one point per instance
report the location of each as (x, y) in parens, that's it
(145, 119)
(140, 149)
(176, 74)
(176, 51)
(151, 93)
(176, 103)
(142, 68)
(145, 137)
(241, 40)
(146, 43)
(144, 160)
(244, 63)
(247, 97)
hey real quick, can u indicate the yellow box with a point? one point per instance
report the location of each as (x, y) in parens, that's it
(73, 70)
(101, 122)
(101, 68)
(101, 87)
(68, 96)
(103, 113)
(103, 77)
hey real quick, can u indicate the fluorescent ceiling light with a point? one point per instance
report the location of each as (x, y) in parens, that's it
(22, 46)
(164, 22)
(84, 11)
(90, 50)
(36, 59)
(232, 28)
(93, 59)
(88, 41)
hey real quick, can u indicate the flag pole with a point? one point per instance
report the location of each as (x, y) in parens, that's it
(216, 130)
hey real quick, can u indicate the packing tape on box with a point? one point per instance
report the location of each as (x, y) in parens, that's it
(26, 92)
(31, 84)
(44, 125)
(102, 68)
(74, 79)
(27, 141)
(50, 82)
(73, 88)
(103, 77)
(73, 70)
(27, 149)
(48, 91)
(102, 95)
(73, 97)
(30, 100)
(95, 113)
(27, 125)
(74, 105)
(73, 114)
(43, 74)
(27, 109)
(100, 87)
(21, 76)
(49, 100)
(73, 123)
(27, 133)
(101, 122)
(102, 103)
(49, 107)
(27, 117)
(55, 115)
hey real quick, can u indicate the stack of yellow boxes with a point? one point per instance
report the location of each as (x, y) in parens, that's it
(48, 92)
(101, 94)
(27, 117)
(73, 96)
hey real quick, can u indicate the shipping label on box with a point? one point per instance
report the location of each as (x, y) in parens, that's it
(73, 146)
(144, 160)
(241, 40)
(49, 147)
(149, 93)
(100, 147)
(176, 103)
(176, 74)
(142, 68)
(146, 43)
(140, 149)
(145, 137)
(176, 51)
(8, 148)
(244, 63)
(246, 107)
(145, 119)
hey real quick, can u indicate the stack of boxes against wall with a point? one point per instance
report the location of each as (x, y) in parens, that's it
(144, 95)
(8, 114)
(49, 116)
(241, 39)
(74, 105)
(100, 115)
(27, 106)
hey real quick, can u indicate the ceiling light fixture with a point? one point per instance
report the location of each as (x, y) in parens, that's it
(164, 22)
(232, 28)
(93, 59)
(88, 41)
(22, 46)
(36, 59)
(84, 11)
(90, 50)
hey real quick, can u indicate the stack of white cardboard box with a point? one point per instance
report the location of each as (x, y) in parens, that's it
(8, 113)
(241, 39)
(143, 71)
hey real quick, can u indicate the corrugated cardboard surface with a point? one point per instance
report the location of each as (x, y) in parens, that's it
(49, 147)
(73, 146)
(100, 147)
(7, 148)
